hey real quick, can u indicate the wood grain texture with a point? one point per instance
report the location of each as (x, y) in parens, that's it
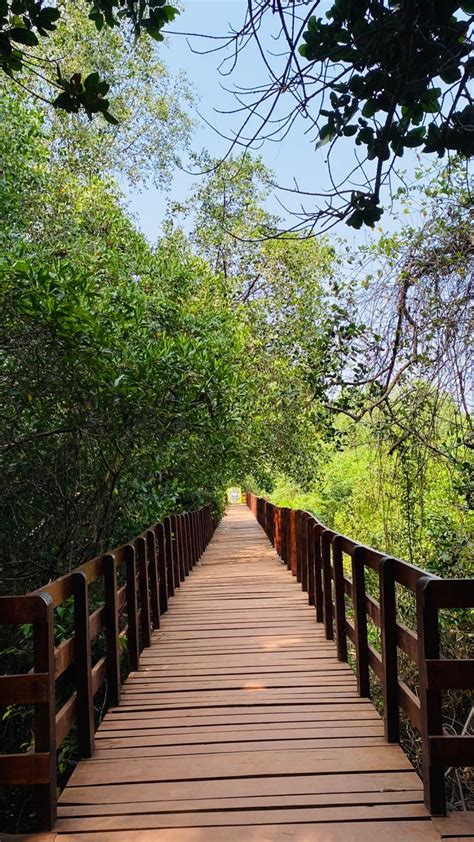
(241, 723)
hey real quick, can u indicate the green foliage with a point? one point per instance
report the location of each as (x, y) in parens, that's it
(405, 504)
(149, 104)
(125, 394)
(278, 284)
(24, 23)
(119, 392)
(396, 61)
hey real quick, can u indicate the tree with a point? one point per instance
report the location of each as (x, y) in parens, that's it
(373, 76)
(281, 289)
(123, 395)
(413, 318)
(25, 23)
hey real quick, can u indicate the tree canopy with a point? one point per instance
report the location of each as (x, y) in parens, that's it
(25, 23)
(140, 379)
(374, 78)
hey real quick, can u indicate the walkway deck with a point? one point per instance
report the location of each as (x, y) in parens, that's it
(242, 725)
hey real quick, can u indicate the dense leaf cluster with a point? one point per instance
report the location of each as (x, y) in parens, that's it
(24, 22)
(388, 58)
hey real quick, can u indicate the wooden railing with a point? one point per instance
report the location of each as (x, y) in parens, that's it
(135, 581)
(320, 558)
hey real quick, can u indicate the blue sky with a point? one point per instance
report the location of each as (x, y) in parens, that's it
(293, 158)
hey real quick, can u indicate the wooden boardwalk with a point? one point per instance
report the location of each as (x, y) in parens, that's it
(241, 724)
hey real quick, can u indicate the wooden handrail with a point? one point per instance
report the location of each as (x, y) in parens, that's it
(315, 555)
(139, 579)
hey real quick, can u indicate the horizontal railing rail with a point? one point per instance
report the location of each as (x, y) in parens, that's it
(320, 558)
(137, 581)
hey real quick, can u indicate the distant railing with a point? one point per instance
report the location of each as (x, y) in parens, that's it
(315, 555)
(137, 581)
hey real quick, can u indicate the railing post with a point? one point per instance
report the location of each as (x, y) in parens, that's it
(45, 714)
(304, 517)
(285, 534)
(112, 630)
(198, 536)
(210, 517)
(276, 529)
(270, 522)
(318, 585)
(203, 531)
(133, 643)
(153, 574)
(388, 623)
(310, 553)
(292, 542)
(189, 553)
(298, 514)
(176, 558)
(360, 622)
(83, 665)
(160, 541)
(204, 528)
(180, 547)
(145, 615)
(169, 555)
(211, 522)
(199, 532)
(327, 583)
(282, 525)
(194, 538)
(430, 699)
(339, 599)
(184, 544)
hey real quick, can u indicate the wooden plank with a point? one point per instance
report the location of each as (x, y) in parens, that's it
(24, 689)
(63, 656)
(242, 818)
(240, 722)
(449, 750)
(66, 718)
(367, 783)
(230, 748)
(230, 733)
(460, 823)
(99, 772)
(21, 769)
(16, 610)
(450, 674)
(387, 831)
(260, 801)
(248, 667)
(99, 672)
(249, 682)
(188, 719)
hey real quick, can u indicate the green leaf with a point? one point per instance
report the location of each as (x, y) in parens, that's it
(110, 118)
(98, 19)
(369, 108)
(23, 36)
(91, 81)
(356, 219)
(155, 34)
(450, 75)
